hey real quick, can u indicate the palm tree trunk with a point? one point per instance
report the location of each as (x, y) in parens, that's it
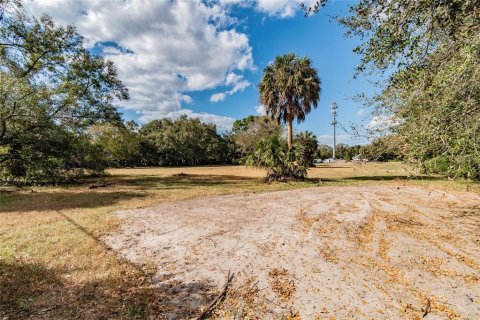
(290, 132)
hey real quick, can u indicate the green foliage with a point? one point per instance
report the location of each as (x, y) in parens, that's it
(324, 152)
(383, 148)
(243, 124)
(437, 165)
(51, 90)
(248, 132)
(120, 144)
(346, 152)
(432, 97)
(282, 163)
(181, 142)
(306, 145)
(289, 88)
(37, 162)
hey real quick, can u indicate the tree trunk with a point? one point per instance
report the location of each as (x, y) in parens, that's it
(290, 132)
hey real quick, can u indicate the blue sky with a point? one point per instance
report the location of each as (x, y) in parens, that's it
(321, 39)
(205, 59)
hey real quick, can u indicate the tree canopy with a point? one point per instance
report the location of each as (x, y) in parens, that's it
(289, 88)
(249, 131)
(428, 54)
(51, 90)
(184, 141)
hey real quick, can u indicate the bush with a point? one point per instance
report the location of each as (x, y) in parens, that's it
(463, 167)
(306, 145)
(282, 164)
(437, 165)
(37, 163)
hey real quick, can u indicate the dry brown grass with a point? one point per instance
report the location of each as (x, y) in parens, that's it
(54, 264)
(281, 283)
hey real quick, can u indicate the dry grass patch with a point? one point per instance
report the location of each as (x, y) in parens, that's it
(54, 263)
(282, 284)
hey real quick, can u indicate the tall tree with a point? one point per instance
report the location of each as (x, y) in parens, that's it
(184, 141)
(289, 88)
(51, 90)
(249, 131)
(120, 143)
(428, 53)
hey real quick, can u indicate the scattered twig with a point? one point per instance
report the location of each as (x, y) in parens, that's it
(217, 300)
(238, 241)
(409, 222)
(214, 244)
(46, 309)
(252, 287)
(143, 278)
(428, 307)
(98, 185)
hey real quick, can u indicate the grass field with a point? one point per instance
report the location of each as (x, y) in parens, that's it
(53, 261)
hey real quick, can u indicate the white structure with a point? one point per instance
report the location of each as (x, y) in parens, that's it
(334, 124)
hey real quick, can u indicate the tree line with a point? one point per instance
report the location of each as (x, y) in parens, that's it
(427, 55)
(59, 121)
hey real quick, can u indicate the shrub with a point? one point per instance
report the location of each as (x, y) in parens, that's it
(282, 164)
(306, 145)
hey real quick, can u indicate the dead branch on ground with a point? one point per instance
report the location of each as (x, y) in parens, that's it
(217, 300)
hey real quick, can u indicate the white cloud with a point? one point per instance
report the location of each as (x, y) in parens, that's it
(230, 2)
(260, 110)
(216, 97)
(328, 138)
(380, 124)
(239, 84)
(165, 49)
(275, 8)
(223, 123)
(232, 78)
(111, 51)
(186, 98)
(361, 112)
(282, 8)
(162, 49)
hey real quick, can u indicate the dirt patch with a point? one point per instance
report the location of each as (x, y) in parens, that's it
(385, 252)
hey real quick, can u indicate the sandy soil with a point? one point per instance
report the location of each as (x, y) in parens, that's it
(382, 252)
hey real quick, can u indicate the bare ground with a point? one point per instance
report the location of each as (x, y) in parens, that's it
(383, 252)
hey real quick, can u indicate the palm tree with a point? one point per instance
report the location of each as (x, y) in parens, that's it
(289, 88)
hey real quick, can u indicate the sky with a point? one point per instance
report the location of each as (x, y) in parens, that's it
(205, 58)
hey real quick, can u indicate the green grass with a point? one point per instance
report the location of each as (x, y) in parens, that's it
(53, 261)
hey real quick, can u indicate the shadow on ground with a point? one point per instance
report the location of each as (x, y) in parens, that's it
(61, 200)
(395, 177)
(32, 290)
(350, 179)
(181, 181)
(127, 187)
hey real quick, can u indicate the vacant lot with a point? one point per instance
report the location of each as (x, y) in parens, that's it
(57, 261)
(352, 252)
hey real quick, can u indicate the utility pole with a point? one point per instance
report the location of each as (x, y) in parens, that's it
(334, 124)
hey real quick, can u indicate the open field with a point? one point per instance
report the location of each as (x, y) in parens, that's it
(333, 172)
(380, 252)
(56, 256)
